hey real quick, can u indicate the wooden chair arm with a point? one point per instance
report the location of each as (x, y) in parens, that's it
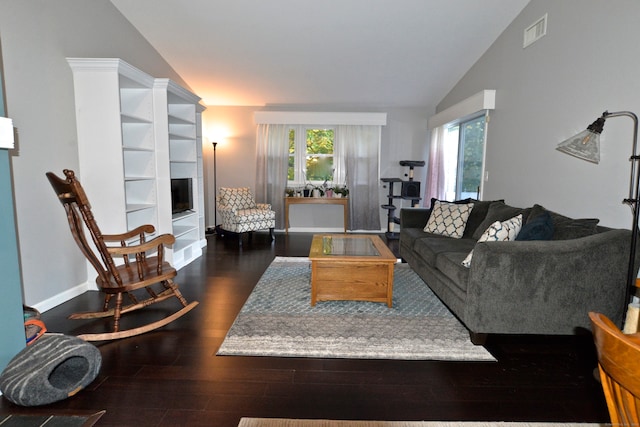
(137, 232)
(163, 239)
(634, 338)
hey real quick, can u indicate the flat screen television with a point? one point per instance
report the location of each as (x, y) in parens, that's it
(181, 195)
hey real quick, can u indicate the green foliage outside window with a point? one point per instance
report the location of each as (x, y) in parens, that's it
(472, 154)
(292, 150)
(319, 155)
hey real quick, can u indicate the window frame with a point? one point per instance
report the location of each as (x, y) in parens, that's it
(455, 154)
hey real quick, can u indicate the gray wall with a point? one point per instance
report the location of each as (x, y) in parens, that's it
(37, 36)
(587, 63)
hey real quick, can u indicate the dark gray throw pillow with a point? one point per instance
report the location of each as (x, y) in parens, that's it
(565, 228)
(499, 211)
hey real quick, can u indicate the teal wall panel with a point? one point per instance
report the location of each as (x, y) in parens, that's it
(12, 337)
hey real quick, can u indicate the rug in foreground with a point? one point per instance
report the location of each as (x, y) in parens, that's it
(280, 422)
(278, 320)
(22, 420)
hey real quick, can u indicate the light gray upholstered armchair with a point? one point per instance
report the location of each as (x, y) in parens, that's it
(240, 213)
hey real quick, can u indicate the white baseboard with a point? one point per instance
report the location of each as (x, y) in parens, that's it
(320, 230)
(62, 297)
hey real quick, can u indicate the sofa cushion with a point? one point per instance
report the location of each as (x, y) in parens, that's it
(450, 265)
(408, 237)
(477, 215)
(245, 216)
(539, 227)
(448, 219)
(428, 248)
(498, 232)
(565, 228)
(499, 211)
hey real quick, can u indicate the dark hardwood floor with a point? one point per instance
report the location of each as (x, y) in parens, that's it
(173, 377)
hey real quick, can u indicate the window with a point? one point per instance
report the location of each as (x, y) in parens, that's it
(310, 155)
(457, 148)
(463, 157)
(282, 159)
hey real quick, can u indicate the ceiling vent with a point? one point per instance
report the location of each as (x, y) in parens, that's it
(535, 31)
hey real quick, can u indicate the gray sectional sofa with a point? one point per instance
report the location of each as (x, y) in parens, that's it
(524, 286)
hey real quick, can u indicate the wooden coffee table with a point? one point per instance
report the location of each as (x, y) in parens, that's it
(351, 267)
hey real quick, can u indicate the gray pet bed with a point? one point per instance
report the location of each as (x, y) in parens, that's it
(51, 369)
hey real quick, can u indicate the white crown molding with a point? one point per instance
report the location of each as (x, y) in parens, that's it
(111, 65)
(483, 100)
(319, 118)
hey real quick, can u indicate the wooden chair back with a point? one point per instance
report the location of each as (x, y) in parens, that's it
(76, 204)
(619, 366)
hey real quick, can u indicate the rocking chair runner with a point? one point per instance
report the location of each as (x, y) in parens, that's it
(138, 271)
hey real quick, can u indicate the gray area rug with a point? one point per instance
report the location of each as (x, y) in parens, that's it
(278, 320)
(22, 420)
(280, 422)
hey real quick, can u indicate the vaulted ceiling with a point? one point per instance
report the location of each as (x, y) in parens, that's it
(352, 53)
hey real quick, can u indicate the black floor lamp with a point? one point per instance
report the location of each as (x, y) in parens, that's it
(586, 146)
(215, 190)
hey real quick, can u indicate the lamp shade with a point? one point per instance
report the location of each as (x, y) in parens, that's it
(585, 146)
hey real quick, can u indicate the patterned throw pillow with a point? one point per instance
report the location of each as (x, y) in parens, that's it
(498, 232)
(448, 219)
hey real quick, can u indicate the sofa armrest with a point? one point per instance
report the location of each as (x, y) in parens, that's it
(547, 287)
(414, 217)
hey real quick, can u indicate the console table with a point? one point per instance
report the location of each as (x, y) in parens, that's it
(288, 201)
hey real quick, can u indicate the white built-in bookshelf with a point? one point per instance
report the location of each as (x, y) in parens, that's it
(135, 133)
(182, 136)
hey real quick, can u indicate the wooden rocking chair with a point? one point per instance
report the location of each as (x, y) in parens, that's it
(619, 366)
(138, 270)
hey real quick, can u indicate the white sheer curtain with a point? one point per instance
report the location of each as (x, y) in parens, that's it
(356, 162)
(436, 180)
(357, 152)
(272, 156)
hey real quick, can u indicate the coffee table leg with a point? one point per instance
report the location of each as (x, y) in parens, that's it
(390, 285)
(314, 288)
